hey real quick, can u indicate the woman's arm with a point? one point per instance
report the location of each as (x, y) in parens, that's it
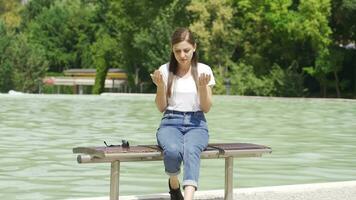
(161, 100)
(205, 93)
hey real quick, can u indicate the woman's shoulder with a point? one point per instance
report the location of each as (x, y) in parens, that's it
(164, 68)
(203, 67)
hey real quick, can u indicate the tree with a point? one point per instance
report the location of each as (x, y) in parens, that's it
(104, 51)
(65, 32)
(28, 62)
(34, 8)
(104, 57)
(316, 28)
(10, 13)
(251, 41)
(283, 34)
(344, 28)
(143, 38)
(217, 35)
(153, 42)
(6, 72)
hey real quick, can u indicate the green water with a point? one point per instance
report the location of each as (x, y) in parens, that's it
(313, 140)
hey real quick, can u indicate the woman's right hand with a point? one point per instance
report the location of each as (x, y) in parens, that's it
(157, 78)
(161, 101)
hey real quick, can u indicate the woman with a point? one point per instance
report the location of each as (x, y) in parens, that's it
(184, 94)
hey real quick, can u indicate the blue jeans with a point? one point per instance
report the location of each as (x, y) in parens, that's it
(183, 136)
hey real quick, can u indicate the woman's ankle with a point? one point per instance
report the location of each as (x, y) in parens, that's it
(189, 192)
(174, 182)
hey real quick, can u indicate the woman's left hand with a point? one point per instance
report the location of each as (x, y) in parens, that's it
(204, 79)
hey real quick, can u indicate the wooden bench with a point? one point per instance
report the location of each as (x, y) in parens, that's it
(115, 155)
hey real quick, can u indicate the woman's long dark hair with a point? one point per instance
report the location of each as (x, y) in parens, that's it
(180, 35)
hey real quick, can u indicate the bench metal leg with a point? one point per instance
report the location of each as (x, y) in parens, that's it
(114, 180)
(229, 166)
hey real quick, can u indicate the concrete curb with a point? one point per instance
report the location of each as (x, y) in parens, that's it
(316, 191)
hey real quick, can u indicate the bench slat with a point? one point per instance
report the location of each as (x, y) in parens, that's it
(153, 152)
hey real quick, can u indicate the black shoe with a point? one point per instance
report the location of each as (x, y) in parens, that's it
(176, 194)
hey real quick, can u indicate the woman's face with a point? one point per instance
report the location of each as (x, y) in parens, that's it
(183, 52)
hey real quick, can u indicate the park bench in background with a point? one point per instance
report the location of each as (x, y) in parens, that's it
(115, 155)
(78, 78)
(118, 74)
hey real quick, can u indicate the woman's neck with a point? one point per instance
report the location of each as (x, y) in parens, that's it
(183, 70)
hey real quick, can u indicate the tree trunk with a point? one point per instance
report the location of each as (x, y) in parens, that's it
(355, 82)
(322, 83)
(137, 70)
(337, 84)
(323, 90)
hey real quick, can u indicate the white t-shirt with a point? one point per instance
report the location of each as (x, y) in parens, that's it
(184, 96)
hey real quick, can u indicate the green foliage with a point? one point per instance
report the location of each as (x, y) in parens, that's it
(145, 40)
(153, 43)
(217, 35)
(10, 13)
(28, 62)
(65, 32)
(103, 54)
(270, 48)
(343, 25)
(245, 82)
(253, 39)
(288, 82)
(6, 73)
(34, 8)
(343, 21)
(6, 70)
(279, 82)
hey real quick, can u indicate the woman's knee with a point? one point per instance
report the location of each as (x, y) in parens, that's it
(172, 151)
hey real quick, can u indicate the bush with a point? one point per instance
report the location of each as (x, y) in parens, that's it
(28, 63)
(278, 82)
(5, 67)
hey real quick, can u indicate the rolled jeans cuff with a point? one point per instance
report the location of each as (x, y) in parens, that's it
(173, 174)
(190, 183)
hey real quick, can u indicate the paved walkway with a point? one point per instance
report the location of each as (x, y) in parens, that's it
(317, 191)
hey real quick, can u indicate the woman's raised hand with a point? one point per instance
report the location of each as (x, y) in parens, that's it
(204, 79)
(157, 78)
